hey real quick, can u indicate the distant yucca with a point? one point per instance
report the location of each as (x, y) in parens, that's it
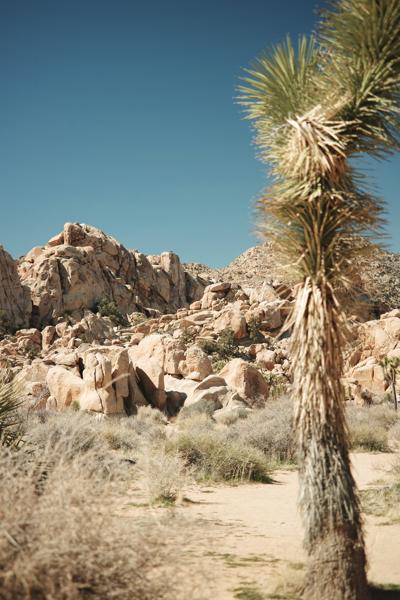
(10, 423)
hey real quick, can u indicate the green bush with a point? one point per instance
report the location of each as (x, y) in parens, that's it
(187, 337)
(107, 308)
(278, 384)
(5, 325)
(253, 328)
(224, 347)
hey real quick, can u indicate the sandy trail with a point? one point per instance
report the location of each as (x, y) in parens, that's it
(249, 537)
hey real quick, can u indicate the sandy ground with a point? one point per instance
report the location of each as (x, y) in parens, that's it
(247, 538)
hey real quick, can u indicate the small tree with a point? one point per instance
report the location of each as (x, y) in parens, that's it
(10, 422)
(391, 367)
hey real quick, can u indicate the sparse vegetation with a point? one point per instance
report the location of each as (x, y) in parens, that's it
(369, 427)
(213, 455)
(62, 535)
(278, 384)
(107, 308)
(270, 431)
(187, 337)
(253, 328)
(391, 367)
(384, 501)
(221, 350)
(163, 474)
(5, 325)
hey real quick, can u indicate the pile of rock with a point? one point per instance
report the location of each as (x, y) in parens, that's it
(166, 352)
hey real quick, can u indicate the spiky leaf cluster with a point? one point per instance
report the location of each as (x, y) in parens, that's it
(312, 111)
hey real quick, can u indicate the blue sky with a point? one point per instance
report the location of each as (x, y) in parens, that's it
(121, 114)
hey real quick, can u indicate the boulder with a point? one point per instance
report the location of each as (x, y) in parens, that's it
(210, 395)
(100, 395)
(65, 388)
(48, 336)
(232, 318)
(379, 338)
(369, 375)
(266, 314)
(247, 381)
(196, 364)
(15, 302)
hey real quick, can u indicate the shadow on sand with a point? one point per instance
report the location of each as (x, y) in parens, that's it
(385, 593)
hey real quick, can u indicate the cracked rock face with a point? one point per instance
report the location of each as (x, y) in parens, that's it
(82, 265)
(15, 303)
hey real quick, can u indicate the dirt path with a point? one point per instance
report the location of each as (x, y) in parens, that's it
(248, 537)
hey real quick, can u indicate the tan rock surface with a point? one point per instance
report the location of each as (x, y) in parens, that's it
(246, 380)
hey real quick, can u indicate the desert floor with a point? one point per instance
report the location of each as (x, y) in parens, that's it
(247, 539)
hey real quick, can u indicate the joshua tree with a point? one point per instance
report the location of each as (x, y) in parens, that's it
(391, 366)
(10, 423)
(313, 110)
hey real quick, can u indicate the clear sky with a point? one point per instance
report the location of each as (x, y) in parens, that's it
(121, 114)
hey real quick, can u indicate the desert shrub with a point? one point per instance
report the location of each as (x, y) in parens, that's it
(163, 474)
(394, 434)
(213, 456)
(70, 435)
(224, 347)
(129, 433)
(137, 318)
(269, 430)
(107, 308)
(64, 540)
(218, 364)
(10, 420)
(188, 337)
(253, 328)
(5, 325)
(229, 417)
(278, 384)
(369, 426)
(384, 501)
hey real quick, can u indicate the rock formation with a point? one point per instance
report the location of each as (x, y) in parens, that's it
(82, 265)
(192, 339)
(15, 304)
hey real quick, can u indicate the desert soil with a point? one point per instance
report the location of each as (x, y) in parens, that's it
(248, 538)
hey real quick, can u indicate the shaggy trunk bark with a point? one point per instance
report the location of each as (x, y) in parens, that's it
(394, 392)
(328, 498)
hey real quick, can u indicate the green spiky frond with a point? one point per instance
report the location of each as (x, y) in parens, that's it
(362, 37)
(277, 88)
(312, 112)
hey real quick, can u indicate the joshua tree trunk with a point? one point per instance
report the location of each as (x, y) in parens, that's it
(394, 381)
(328, 498)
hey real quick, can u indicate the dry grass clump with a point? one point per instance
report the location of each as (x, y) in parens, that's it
(130, 433)
(369, 427)
(60, 535)
(384, 501)
(269, 430)
(163, 474)
(394, 435)
(212, 455)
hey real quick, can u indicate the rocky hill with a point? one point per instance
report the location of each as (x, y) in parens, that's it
(85, 322)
